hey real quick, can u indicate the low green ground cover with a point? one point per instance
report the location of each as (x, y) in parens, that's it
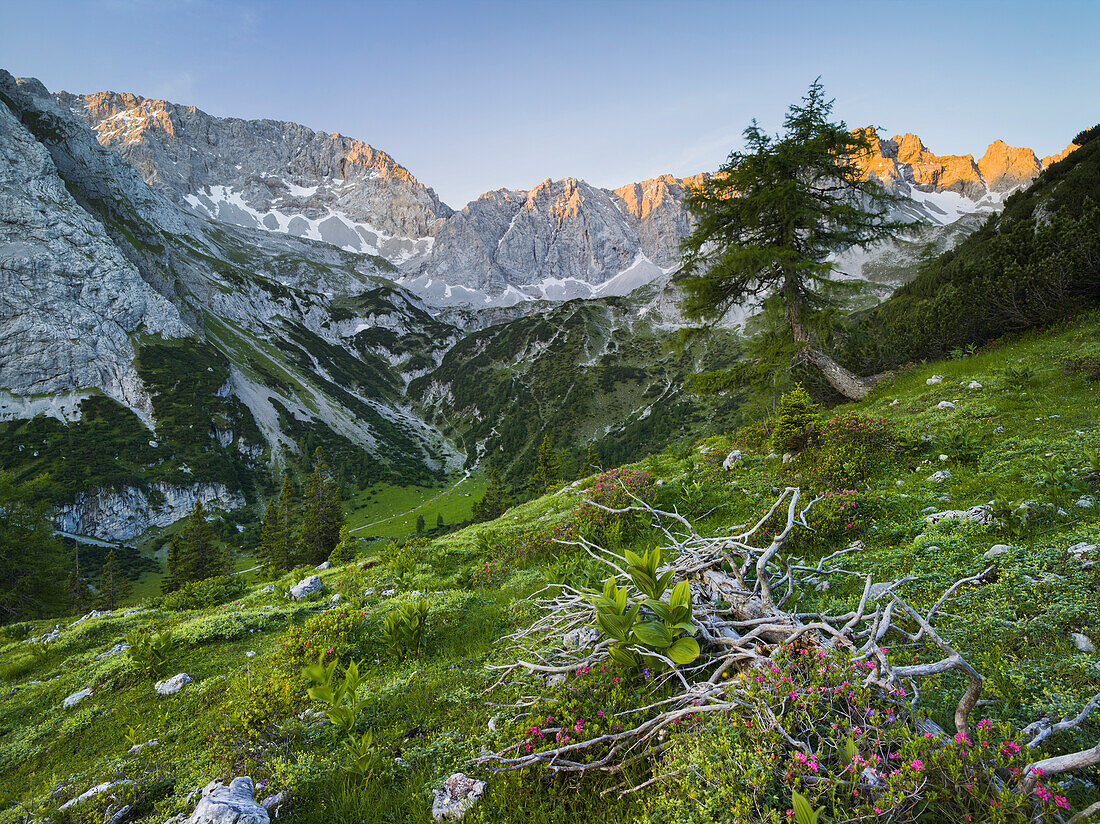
(1027, 436)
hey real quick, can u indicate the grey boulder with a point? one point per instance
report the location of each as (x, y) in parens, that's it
(76, 698)
(305, 587)
(172, 685)
(458, 795)
(234, 804)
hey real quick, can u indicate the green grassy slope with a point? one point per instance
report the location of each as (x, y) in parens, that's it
(1006, 440)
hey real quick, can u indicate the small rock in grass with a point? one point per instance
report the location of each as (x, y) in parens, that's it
(580, 638)
(995, 550)
(940, 477)
(76, 698)
(325, 565)
(273, 802)
(93, 792)
(732, 460)
(934, 379)
(555, 679)
(388, 593)
(943, 457)
(1083, 642)
(894, 402)
(115, 650)
(152, 742)
(458, 795)
(945, 405)
(234, 804)
(999, 429)
(973, 385)
(268, 588)
(335, 599)
(1084, 503)
(305, 587)
(980, 514)
(170, 686)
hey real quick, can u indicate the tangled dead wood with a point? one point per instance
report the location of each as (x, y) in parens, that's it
(745, 603)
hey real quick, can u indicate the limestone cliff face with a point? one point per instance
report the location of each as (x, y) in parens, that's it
(70, 302)
(1062, 155)
(904, 159)
(276, 169)
(1007, 167)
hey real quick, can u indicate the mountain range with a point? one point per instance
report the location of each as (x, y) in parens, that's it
(187, 301)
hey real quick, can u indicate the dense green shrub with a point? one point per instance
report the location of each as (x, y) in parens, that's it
(206, 593)
(841, 516)
(851, 448)
(796, 422)
(755, 435)
(735, 768)
(403, 629)
(1086, 365)
(331, 635)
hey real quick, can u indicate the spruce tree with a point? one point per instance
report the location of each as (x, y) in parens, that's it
(439, 521)
(288, 515)
(171, 580)
(113, 585)
(591, 462)
(494, 502)
(272, 544)
(199, 557)
(322, 514)
(419, 524)
(33, 562)
(546, 472)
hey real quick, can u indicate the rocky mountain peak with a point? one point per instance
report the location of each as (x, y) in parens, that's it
(1007, 167)
(267, 174)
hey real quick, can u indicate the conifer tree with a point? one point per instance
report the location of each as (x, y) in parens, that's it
(439, 521)
(322, 514)
(546, 472)
(33, 562)
(199, 559)
(272, 542)
(419, 524)
(767, 224)
(113, 585)
(494, 502)
(171, 581)
(288, 515)
(79, 594)
(591, 462)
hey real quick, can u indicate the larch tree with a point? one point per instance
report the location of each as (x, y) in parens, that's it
(768, 221)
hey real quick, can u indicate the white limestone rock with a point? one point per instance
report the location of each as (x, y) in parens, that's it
(323, 566)
(115, 650)
(945, 405)
(76, 698)
(457, 797)
(995, 551)
(934, 380)
(581, 638)
(306, 587)
(170, 686)
(732, 460)
(1083, 643)
(234, 804)
(940, 477)
(980, 514)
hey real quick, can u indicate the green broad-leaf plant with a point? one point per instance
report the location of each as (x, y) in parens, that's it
(338, 695)
(643, 628)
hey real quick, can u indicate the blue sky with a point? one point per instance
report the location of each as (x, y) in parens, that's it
(472, 96)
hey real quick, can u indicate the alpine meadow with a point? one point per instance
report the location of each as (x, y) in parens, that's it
(762, 492)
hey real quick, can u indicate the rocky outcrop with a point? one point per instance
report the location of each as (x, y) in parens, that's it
(1062, 155)
(1005, 167)
(122, 514)
(70, 302)
(457, 797)
(265, 173)
(170, 686)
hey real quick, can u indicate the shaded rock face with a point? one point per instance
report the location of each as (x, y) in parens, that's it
(122, 514)
(69, 300)
(274, 167)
